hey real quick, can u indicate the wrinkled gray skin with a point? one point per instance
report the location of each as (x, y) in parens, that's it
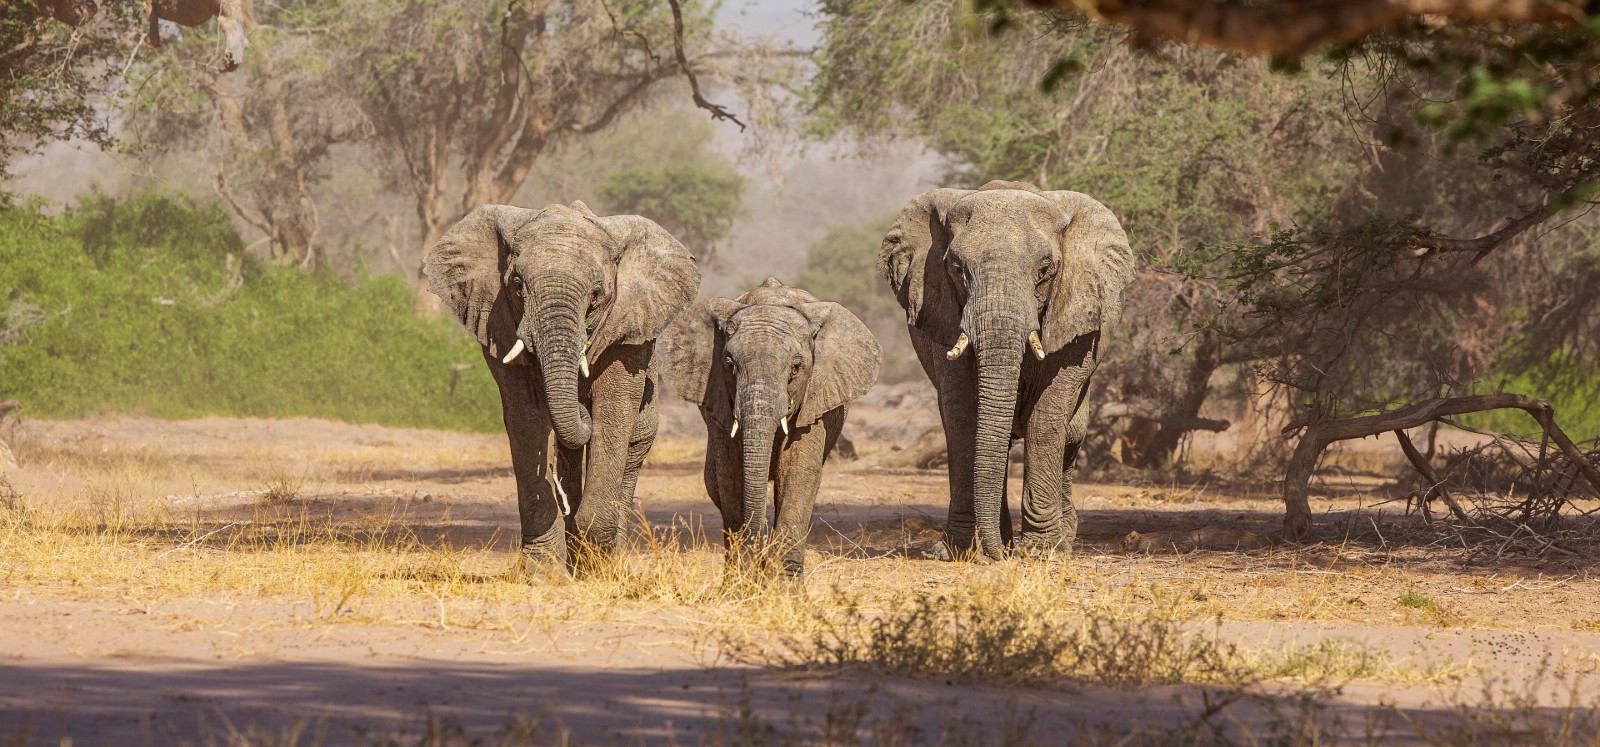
(575, 288)
(999, 263)
(773, 354)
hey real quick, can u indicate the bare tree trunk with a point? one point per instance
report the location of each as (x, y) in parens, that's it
(1184, 412)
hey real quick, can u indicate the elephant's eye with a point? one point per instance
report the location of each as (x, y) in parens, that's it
(1047, 269)
(516, 285)
(728, 360)
(794, 368)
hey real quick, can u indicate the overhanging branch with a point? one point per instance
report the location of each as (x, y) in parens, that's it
(1292, 27)
(717, 112)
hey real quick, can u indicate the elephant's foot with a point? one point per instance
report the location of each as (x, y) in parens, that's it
(539, 564)
(1038, 547)
(588, 559)
(945, 549)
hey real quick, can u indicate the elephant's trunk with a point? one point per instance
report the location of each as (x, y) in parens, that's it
(558, 338)
(999, 333)
(759, 407)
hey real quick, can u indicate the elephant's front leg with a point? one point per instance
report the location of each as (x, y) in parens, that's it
(724, 468)
(958, 412)
(543, 542)
(639, 443)
(1055, 428)
(798, 478)
(615, 396)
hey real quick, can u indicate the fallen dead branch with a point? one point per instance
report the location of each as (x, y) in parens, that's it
(1317, 436)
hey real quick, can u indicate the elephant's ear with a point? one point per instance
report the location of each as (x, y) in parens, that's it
(692, 350)
(466, 270)
(911, 259)
(1096, 268)
(844, 359)
(656, 279)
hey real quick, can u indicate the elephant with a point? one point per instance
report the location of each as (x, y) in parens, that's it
(1030, 282)
(567, 306)
(772, 371)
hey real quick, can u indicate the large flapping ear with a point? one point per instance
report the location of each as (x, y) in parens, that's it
(692, 351)
(466, 270)
(1096, 268)
(844, 359)
(911, 259)
(656, 279)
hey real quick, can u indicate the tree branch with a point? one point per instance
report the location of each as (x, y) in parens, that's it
(1318, 436)
(239, 210)
(717, 112)
(1292, 28)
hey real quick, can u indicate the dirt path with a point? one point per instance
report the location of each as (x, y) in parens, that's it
(223, 609)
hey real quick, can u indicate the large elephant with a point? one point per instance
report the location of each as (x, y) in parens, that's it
(772, 372)
(1008, 292)
(567, 306)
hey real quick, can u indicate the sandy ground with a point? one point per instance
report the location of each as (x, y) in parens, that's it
(118, 665)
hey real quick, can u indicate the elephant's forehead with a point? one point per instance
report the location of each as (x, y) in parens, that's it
(555, 231)
(1005, 208)
(763, 323)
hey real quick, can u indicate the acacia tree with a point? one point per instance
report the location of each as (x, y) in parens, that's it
(465, 97)
(696, 202)
(263, 132)
(1184, 144)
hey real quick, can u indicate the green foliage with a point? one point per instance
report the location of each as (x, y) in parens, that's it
(696, 202)
(843, 267)
(148, 306)
(51, 73)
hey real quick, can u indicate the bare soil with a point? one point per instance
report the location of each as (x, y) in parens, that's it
(172, 649)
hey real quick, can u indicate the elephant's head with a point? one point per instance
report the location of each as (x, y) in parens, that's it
(562, 285)
(1005, 270)
(766, 364)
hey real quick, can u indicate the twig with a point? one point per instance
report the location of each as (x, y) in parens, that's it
(197, 540)
(717, 112)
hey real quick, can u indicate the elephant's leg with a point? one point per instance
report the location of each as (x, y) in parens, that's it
(1076, 431)
(543, 544)
(1058, 419)
(644, 436)
(958, 411)
(798, 478)
(1005, 509)
(569, 483)
(615, 397)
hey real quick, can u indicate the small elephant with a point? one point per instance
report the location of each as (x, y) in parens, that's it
(1030, 281)
(772, 372)
(567, 306)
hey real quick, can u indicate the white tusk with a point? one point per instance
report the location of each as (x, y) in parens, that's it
(583, 365)
(785, 423)
(1038, 347)
(516, 350)
(735, 430)
(960, 347)
(561, 498)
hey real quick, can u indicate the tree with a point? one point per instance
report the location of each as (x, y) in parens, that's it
(262, 132)
(696, 202)
(59, 57)
(464, 98)
(843, 267)
(1185, 145)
